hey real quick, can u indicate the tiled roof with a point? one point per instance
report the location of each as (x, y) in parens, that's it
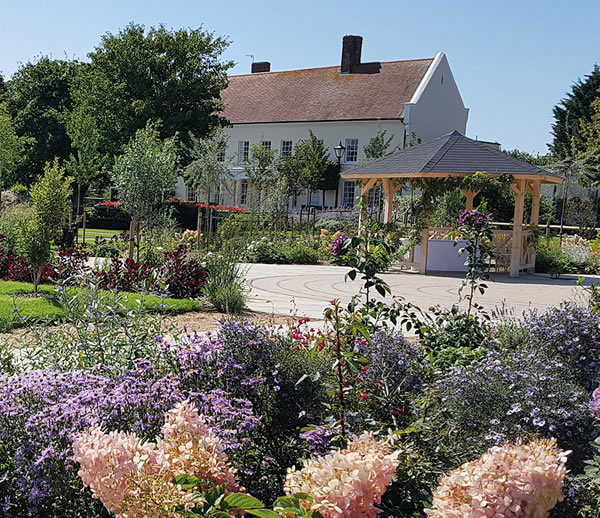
(375, 91)
(452, 153)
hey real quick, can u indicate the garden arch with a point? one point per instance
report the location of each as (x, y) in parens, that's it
(455, 155)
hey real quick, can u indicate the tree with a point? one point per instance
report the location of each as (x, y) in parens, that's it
(145, 172)
(209, 167)
(312, 160)
(378, 146)
(50, 208)
(39, 101)
(12, 148)
(260, 167)
(136, 76)
(576, 106)
(590, 140)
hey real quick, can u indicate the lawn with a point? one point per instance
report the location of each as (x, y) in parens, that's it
(93, 233)
(48, 306)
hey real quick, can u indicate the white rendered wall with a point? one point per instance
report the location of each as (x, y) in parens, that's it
(437, 107)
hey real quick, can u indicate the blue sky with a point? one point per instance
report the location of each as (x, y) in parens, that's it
(512, 60)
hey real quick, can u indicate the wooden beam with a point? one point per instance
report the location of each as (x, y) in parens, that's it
(519, 187)
(367, 184)
(470, 196)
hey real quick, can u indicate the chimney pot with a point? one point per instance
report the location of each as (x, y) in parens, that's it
(261, 66)
(351, 53)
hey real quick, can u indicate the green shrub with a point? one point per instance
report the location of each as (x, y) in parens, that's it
(301, 254)
(226, 298)
(550, 259)
(10, 221)
(19, 188)
(224, 286)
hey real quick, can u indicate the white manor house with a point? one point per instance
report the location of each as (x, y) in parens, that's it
(348, 103)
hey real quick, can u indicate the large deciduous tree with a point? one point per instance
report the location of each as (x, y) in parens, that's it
(136, 76)
(38, 99)
(12, 148)
(574, 107)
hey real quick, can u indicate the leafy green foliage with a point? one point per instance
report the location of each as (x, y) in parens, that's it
(312, 160)
(145, 172)
(209, 168)
(50, 203)
(260, 166)
(379, 145)
(136, 76)
(574, 107)
(12, 148)
(39, 99)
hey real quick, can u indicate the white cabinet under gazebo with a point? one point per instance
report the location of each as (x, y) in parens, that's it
(455, 155)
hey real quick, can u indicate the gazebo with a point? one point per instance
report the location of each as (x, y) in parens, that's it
(455, 155)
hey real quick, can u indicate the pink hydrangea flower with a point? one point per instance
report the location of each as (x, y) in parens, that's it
(133, 478)
(519, 481)
(348, 482)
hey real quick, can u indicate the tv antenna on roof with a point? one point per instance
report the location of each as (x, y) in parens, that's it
(251, 56)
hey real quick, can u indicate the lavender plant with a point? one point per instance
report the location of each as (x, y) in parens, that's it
(570, 333)
(501, 398)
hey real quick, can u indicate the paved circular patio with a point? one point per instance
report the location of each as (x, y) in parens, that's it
(306, 290)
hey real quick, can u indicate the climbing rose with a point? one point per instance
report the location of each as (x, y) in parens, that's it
(133, 478)
(337, 244)
(347, 483)
(512, 481)
(473, 218)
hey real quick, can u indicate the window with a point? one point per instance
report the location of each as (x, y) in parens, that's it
(348, 193)
(267, 144)
(315, 198)
(215, 197)
(190, 193)
(286, 148)
(221, 156)
(351, 150)
(243, 192)
(243, 151)
(375, 198)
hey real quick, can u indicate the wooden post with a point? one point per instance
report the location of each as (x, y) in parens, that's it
(470, 196)
(536, 193)
(137, 233)
(424, 251)
(389, 190)
(131, 239)
(519, 188)
(209, 227)
(198, 227)
(367, 183)
(84, 225)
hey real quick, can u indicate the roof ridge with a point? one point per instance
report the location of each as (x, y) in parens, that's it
(442, 151)
(328, 66)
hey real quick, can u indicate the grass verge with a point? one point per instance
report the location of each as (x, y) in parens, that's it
(47, 305)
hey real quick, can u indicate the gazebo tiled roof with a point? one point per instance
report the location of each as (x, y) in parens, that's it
(450, 155)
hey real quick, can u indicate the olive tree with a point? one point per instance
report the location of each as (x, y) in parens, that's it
(209, 167)
(50, 201)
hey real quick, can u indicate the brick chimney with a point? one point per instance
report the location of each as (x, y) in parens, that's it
(351, 50)
(261, 66)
